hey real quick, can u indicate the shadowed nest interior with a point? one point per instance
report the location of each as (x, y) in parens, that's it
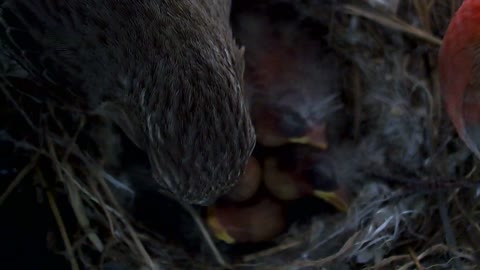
(75, 193)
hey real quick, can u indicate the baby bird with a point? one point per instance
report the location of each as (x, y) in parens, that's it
(296, 172)
(249, 182)
(290, 80)
(258, 221)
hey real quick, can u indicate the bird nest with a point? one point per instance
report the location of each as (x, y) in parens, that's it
(77, 195)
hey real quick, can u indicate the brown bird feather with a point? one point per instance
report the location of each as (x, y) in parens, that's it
(168, 72)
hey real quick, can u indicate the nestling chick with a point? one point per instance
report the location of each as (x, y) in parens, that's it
(168, 72)
(256, 222)
(297, 172)
(291, 81)
(249, 182)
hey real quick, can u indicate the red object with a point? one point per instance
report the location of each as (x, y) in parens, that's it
(459, 72)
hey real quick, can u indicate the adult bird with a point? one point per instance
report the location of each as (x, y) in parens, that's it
(168, 72)
(459, 68)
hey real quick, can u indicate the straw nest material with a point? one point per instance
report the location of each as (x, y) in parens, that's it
(77, 187)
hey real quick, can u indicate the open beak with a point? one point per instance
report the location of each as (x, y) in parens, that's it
(336, 198)
(316, 137)
(217, 229)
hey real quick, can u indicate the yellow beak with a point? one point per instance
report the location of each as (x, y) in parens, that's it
(334, 198)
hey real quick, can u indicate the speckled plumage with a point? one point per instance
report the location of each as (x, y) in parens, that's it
(168, 72)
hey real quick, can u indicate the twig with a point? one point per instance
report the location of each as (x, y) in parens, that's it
(423, 11)
(393, 23)
(92, 197)
(271, 251)
(18, 108)
(464, 213)
(130, 229)
(19, 178)
(449, 234)
(60, 224)
(104, 206)
(69, 149)
(79, 210)
(206, 235)
(321, 262)
(75, 200)
(387, 261)
(415, 259)
(439, 248)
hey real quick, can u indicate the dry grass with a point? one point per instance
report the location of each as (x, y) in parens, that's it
(417, 208)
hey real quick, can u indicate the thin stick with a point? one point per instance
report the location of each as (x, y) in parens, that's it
(271, 251)
(74, 198)
(329, 259)
(393, 23)
(127, 224)
(206, 235)
(59, 221)
(447, 227)
(19, 178)
(18, 108)
(415, 259)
